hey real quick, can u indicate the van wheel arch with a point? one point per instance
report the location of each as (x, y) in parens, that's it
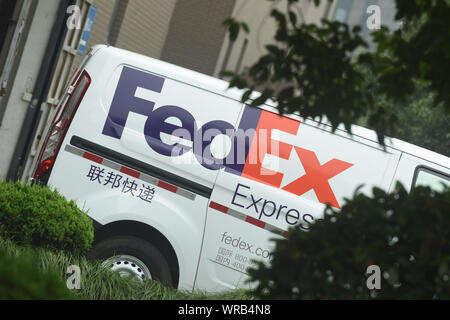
(144, 232)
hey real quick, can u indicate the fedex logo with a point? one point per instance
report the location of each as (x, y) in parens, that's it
(251, 141)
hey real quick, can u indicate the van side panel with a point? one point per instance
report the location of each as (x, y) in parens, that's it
(120, 159)
(284, 188)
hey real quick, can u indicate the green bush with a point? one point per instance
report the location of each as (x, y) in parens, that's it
(406, 235)
(22, 279)
(38, 216)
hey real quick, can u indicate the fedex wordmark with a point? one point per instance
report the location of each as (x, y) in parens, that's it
(251, 141)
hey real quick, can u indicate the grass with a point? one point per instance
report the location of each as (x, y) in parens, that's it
(98, 283)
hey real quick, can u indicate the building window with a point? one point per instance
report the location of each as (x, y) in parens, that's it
(342, 11)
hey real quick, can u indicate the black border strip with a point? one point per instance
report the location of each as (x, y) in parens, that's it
(140, 166)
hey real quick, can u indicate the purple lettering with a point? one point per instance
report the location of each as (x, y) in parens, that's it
(157, 124)
(124, 100)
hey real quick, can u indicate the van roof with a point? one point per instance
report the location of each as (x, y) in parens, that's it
(220, 87)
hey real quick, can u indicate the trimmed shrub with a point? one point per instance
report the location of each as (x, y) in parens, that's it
(406, 235)
(38, 216)
(22, 279)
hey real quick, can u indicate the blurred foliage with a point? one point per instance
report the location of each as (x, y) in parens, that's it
(97, 282)
(233, 27)
(424, 125)
(22, 279)
(406, 235)
(417, 120)
(319, 70)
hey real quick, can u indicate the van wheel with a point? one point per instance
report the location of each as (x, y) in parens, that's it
(132, 256)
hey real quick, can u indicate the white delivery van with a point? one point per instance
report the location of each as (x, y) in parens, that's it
(187, 185)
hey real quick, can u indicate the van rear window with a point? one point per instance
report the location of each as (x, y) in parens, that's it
(429, 178)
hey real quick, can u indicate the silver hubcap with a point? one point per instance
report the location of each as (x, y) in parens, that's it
(128, 266)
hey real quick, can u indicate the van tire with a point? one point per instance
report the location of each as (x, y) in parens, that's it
(153, 259)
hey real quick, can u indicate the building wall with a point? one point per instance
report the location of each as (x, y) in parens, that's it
(196, 34)
(141, 26)
(145, 25)
(247, 48)
(27, 73)
(355, 13)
